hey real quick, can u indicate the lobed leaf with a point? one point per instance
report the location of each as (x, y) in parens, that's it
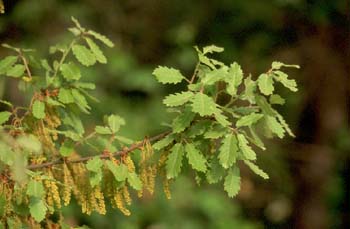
(174, 162)
(38, 109)
(265, 83)
(232, 183)
(178, 99)
(249, 120)
(84, 55)
(203, 104)
(195, 158)
(247, 151)
(70, 71)
(168, 75)
(228, 151)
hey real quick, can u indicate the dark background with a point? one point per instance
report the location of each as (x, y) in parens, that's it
(310, 175)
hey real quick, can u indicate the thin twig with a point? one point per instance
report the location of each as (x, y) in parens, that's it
(103, 156)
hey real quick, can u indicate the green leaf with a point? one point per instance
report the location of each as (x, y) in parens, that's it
(222, 119)
(283, 79)
(95, 178)
(38, 109)
(264, 106)
(163, 142)
(228, 151)
(265, 83)
(214, 76)
(195, 158)
(101, 38)
(16, 71)
(277, 65)
(256, 169)
(276, 99)
(6, 63)
(249, 119)
(67, 148)
(96, 51)
(284, 124)
(249, 92)
(135, 181)
(80, 100)
(30, 142)
(95, 164)
(274, 126)
(212, 49)
(4, 116)
(35, 189)
(215, 173)
(247, 151)
(232, 183)
(178, 99)
(234, 79)
(114, 122)
(174, 162)
(70, 71)
(120, 172)
(103, 130)
(37, 209)
(183, 121)
(166, 75)
(215, 132)
(256, 139)
(203, 105)
(84, 55)
(65, 96)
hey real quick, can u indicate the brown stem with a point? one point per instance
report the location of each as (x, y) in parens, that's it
(103, 156)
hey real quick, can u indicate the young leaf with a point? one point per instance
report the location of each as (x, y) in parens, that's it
(163, 142)
(256, 169)
(222, 119)
(38, 109)
(84, 55)
(4, 117)
(182, 121)
(228, 151)
(65, 96)
(248, 153)
(234, 79)
(275, 126)
(195, 158)
(37, 209)
(276, 99)
(215, 75)
(101, 38)
(120, 172)
(232, 183)
(6, 63)
(277, 65)
(284, 124)
(70, 71)
(16, 71)
(283, 79)
(114, 122)
(80, 100)
(96, 51)
(135, 181)
(174, 162)
(249, 120)
(67, 148)
(203, 104)
(265, 83)
(166, 75)
(178, 99)
(215, 173)
(103, 130)
(94, 165)
(35, 189)
(215, 132)
(212, 49)
(249, 92)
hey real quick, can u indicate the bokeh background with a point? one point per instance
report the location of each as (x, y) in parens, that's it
(310, 175)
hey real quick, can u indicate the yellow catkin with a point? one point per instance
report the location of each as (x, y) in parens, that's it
(68, 183)
(80, 187)
(93, 205)
(126, 195)
(144, 180)
(120, 203)
(129, 163)
(163, 158)
(53, 197)
(166, 188)
(151, 171)
(101, 208)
